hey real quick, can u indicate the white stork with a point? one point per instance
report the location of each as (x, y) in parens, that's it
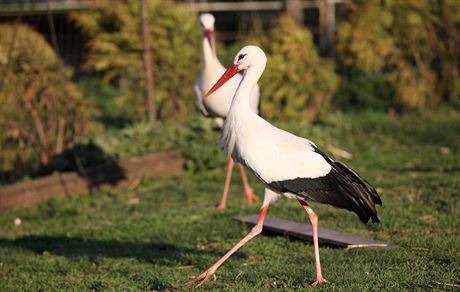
(288, 165)
(217, 105)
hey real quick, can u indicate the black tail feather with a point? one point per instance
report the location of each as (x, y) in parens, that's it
(362, 193)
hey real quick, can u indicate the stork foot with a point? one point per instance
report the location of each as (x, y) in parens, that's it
(319, 281)
(250, 196)
(202, 278)
(221, 206)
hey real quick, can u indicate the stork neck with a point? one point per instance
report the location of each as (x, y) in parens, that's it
(240, 102)
(208, 53)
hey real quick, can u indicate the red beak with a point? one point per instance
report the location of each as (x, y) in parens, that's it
(231, 71)
(208, 34)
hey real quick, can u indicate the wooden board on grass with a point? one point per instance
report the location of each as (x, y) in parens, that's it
(303, 231)
(120, 173)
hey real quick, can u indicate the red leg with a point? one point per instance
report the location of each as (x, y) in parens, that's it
(314, 223)
(203, 277)
(223, 200)
(249, 195)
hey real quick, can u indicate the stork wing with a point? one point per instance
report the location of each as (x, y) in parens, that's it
(199, 99)
(313, 176)
(279, 156)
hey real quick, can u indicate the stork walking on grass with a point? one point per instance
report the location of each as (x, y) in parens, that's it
(217, 105)
(288, 165)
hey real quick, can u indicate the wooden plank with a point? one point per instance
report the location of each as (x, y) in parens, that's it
(122, 173)
(43, 6)
(227, 6)
(236, 6)
(303, 232)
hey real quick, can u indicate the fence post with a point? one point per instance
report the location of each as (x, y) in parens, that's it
(295, 10)
(327, 27)
(149, 99)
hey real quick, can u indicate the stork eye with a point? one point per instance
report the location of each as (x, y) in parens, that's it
(241, 56)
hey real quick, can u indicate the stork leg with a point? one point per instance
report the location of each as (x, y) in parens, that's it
(249, 195)
(256, 230)
(223, 200)
(314, 223)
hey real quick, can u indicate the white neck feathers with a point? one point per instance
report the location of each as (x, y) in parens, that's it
(240, 114)
(208, 53)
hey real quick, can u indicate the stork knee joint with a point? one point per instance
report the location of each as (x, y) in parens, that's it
(312, 215)
(310, 211)
(257, 229)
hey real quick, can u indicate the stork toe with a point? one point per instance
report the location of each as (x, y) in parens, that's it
(318, 282)
(250, 196)
(203, 278)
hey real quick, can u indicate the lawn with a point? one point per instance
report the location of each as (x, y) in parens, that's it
(160, 232)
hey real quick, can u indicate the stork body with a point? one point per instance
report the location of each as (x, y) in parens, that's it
(288, 165)
(218, 104)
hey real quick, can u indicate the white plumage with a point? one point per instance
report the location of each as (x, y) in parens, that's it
(274, 154)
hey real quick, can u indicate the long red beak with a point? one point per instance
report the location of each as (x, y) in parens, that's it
(208, 34)
(231, 71)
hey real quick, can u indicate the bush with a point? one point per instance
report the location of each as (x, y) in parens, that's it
(42, 112)
(366, 90)
(297, 83)
(197, 142)
(106, 97)
(115, 48)
(411, 44)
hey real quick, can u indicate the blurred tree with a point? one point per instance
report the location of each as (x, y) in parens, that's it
(115, 48)
(297, 83)
(412, 45)
(42, 111)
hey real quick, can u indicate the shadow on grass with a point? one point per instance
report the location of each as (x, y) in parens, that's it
(74, 247)
(87, 159)
(95, 249)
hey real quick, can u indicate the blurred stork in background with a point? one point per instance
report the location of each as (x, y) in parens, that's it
(217, 105)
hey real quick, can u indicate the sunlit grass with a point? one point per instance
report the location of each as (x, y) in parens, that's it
(161, 232)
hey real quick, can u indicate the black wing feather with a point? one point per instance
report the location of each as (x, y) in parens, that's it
(341, 187)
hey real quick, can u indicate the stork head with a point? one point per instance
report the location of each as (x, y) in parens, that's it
(207, 26)
(248, 57)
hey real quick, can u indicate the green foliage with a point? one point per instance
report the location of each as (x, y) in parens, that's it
(365, 90)
(297, 83)
(115, 48)
(411, 44)
(197, 142)
(106, 97)
(200, 148)
(163, 231)
(42, 112)
(226, 54)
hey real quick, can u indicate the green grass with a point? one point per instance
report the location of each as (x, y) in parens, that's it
(161, 232)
